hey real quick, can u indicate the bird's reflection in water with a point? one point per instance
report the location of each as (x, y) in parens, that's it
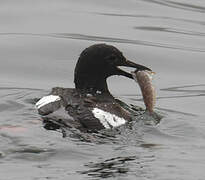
(109, 168)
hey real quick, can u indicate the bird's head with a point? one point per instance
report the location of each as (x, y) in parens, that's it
(98, 62)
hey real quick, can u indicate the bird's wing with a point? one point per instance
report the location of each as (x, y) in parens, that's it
(48, 104)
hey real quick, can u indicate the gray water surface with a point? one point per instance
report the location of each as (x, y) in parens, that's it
(40, 42)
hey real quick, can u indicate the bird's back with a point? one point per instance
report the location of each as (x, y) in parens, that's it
(83, 111)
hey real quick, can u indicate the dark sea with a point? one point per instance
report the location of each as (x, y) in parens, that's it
(40, 42)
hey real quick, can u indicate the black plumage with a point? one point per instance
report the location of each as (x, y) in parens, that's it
(75, 107)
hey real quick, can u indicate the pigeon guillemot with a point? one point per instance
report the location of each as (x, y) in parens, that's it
(90, 105)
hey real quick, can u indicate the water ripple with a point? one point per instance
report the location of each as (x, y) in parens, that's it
(183, 89)
(178, 5)
(170, 30)
(110, 39)
(153, 17)
(20, 88)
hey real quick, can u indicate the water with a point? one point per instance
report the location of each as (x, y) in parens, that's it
(40, 42)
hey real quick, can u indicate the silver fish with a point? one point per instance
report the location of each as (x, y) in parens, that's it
(144, 79)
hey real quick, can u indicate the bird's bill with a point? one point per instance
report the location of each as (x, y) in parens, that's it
(131, 64)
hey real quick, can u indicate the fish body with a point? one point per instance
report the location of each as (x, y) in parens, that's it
(144, 79)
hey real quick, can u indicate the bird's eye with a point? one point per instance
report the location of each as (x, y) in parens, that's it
(112, 59)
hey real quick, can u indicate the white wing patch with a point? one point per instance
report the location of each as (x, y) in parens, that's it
(107, 119)
(46, 100)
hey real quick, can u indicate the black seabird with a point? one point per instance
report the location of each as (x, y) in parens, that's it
(89, 106)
